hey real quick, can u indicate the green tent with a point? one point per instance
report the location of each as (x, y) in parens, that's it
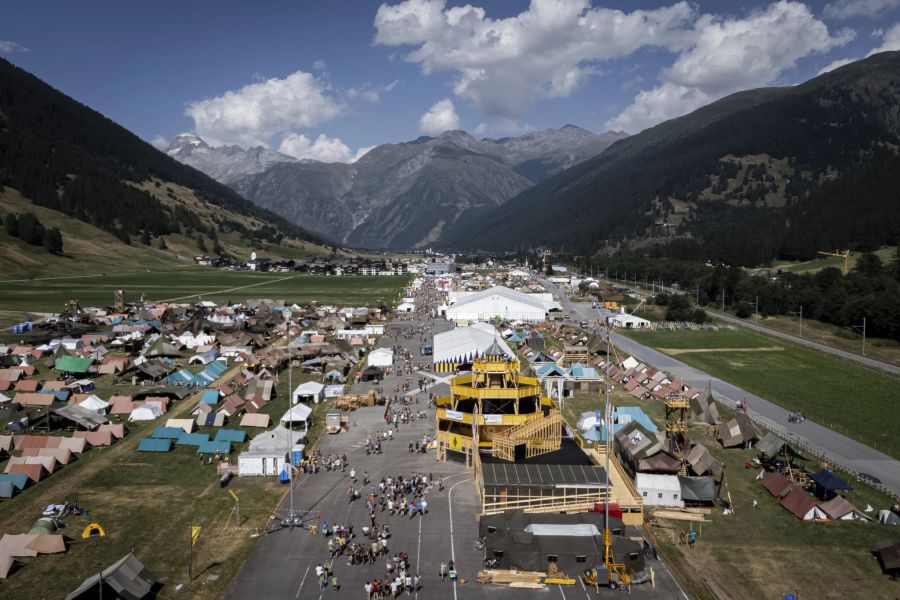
(73, 364)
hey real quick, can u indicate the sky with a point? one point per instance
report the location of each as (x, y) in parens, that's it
(328, 80)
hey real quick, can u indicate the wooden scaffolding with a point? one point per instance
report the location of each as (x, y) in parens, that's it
(541, 435)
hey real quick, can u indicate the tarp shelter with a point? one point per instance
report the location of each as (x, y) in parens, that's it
(83, 417)
(93, 530)
(777, 484)
(73, 364)
(697, 489)
(48, 544)
(801, 505)
(154, 445)
(172, 433)
(828, 484)
(214, 447)
(257, 420)
(371, 374)
(127, 579)
(888, 555)
(231, 435)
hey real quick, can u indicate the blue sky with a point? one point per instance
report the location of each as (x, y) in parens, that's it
(324, 79)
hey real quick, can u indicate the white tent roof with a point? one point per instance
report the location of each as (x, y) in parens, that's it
(93, 402)
(576, 529)
(650, 481)
(298, 413)
(148, 412)
(464, 341)
(539, 301)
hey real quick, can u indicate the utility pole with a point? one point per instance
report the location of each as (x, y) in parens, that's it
(801, 318)
(861, 329)
(756, 309)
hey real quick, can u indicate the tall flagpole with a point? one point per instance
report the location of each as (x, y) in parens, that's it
(290, 424)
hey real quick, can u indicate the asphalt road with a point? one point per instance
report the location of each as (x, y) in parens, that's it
(850, 454)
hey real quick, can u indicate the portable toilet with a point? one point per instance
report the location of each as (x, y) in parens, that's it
(297, 454)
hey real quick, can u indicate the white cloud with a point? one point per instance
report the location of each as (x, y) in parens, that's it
(835, 64)
(439, 118)
(159, 142)
(845, 9)
(502, 128)
(890, 40)
(549, 50)
(731, 54)
(10, 47)
(324, 148)
(360, 153)
(256, 112)
(369, 92)
(320, 65)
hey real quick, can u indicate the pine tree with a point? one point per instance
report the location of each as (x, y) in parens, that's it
(53, 241)
(11, 223)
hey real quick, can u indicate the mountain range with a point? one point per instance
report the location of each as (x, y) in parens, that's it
(396, 196)
(761, 174)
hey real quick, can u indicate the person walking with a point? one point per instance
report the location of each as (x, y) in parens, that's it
(334, 583)
(443, 571)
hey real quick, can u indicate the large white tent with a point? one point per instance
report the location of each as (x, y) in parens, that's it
(461, 345)
(500, 302)
(380, 357)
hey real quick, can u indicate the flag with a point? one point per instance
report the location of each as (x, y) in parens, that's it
(195, 533)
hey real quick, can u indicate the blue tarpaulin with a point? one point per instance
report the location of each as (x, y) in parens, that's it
(192, 439)
(213, 447)
(829, 481)
(154, 445)
(209, 374)
(19, 480)
(210, 397)
(231, 435)
(171, 433)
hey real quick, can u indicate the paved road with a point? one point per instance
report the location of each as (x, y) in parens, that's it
(841, 450)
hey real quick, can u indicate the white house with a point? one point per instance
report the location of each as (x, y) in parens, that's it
(659, 490)
(261, 463)
(500, 302)
(380, 357)
(310, 391)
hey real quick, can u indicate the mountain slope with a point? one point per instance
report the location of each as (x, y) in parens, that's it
(64, 156)
(759, 174)
(225, 163)
(397, 195)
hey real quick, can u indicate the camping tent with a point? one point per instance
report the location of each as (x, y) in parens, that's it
(95, 404)
(380, 357)
(801, 505)
(697, 489)
(310, 391)
(147, 412)
(127, 578)
(888, 555)
(839, 508)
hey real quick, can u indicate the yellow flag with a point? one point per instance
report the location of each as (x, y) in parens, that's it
(195, 533)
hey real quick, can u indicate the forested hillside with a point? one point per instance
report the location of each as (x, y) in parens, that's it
(65, 156)
(760, 175)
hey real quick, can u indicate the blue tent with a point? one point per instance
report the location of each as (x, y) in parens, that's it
(210, 397)
(171, 433)
(231, 435)
(19, 480)
(213, 447)
(154, 445)
(192, 439)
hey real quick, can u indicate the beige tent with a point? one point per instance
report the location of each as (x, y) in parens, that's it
(255, 420)
(187, 424)
(47, 543)
(16, 545)
(6, 563)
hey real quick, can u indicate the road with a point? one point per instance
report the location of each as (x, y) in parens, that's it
(841, 450)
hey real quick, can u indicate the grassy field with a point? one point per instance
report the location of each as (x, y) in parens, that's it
(851, 399)
(146, 502)
(764, 551)
(191, 283)
(886, 254)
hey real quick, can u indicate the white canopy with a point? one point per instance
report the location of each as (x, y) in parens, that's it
(298, 414)
(93, 402)
(577, 529)
(148, 412)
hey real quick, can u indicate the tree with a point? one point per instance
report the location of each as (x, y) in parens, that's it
(30, 229)
(53, 241)
(869, 264)
(145, 235)
(11, 223)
